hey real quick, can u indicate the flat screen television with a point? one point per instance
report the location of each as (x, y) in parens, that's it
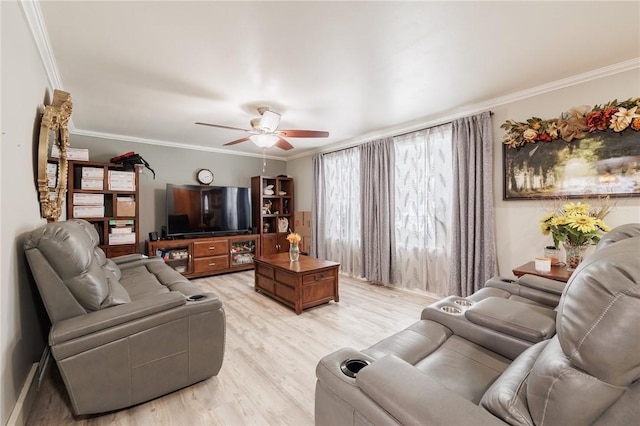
(197, 210)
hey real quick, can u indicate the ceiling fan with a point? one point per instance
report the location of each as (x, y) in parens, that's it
(264, 131)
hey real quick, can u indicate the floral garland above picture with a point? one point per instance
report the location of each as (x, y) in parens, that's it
(575, 123)
(599, 153)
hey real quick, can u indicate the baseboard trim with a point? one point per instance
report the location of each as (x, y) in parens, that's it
(27, 397)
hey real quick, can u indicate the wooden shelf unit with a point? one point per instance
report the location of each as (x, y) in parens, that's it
(200, 257)
(121, 207)
(273, 240)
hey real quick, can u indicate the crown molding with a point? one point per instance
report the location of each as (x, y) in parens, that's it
(169, 144)
(33, 15)
(447, 117)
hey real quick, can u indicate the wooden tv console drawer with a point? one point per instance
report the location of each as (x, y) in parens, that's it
(210, 264)
(210, 248)
(199, 257)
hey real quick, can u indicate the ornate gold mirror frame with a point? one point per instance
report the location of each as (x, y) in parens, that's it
(54, 136)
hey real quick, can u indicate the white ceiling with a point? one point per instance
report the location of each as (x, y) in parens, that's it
(146, 71)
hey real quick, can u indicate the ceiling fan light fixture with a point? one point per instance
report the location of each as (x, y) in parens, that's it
(264, 140)
(269, 121)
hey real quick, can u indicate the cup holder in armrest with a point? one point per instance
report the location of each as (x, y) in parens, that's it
(463, 302)
(350, 367)
(196, 297)
(507, 280)
(450, 309)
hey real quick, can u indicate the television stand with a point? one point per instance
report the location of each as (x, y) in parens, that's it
(204, 256)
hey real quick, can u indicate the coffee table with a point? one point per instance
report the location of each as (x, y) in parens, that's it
(300, 285)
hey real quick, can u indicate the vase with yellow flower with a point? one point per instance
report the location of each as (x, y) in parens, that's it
(576, 226)
(294, 247)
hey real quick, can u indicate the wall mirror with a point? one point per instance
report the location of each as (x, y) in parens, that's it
(52, 155)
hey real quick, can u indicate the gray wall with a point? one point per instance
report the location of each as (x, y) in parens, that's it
(23, 322)
(173, 165)
(302, 170)
(517, 221)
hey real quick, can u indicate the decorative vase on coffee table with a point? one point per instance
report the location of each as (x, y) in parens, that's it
(574, 256)
(294, 252)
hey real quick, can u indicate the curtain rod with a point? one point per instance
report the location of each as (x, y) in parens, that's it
(395, 135)
(425, 128)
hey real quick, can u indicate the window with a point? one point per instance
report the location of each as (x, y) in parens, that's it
(423, 191)
(423, 182)
(342, 209)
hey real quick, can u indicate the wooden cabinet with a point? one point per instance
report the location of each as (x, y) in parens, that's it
(273, 213)
(274, 243)
(199, 257)
(107, 196)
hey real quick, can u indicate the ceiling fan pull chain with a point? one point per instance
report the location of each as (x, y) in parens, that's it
(264, 160)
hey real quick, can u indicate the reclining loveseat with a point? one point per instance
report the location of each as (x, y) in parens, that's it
(435, 373)
(124, 330)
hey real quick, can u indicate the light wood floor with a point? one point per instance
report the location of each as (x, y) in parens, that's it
(268, 373)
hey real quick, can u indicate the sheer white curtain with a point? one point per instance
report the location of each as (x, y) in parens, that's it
(341, 209)
(423, 197)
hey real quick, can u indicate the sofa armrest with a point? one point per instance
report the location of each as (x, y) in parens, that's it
(521, 320)
(411, 397)
(118, 260)
(140, 261)
(542, 284)
(539, 289)
(453, 316)
(114, 322)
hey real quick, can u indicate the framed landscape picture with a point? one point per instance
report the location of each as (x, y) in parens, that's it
(602, 163)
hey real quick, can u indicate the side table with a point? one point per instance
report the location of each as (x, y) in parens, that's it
(558, 273)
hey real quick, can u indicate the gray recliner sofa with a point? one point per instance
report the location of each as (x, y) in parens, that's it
(587, 373)
(541, 291)
(124, 331)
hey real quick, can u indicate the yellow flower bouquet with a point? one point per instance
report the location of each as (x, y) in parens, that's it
(294, 247)
(575, 224)
(294, 238)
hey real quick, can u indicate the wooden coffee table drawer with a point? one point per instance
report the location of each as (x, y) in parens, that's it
(318, 290)
(263, 270)
(202, 249)
(206, 264)
(265, 283)
(310, 278)
(286, 277)
(285, 292)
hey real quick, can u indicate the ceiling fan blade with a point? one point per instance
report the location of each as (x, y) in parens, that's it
(304, 133)
(283, 144)
(236, 141)
(222, 127)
